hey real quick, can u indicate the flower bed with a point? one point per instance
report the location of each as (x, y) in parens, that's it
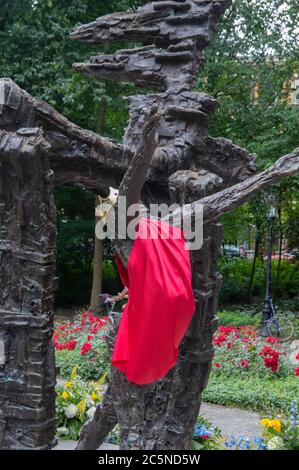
(76, 402)
(206, 436)
(283, 434)
(82, 344)
(247, 372)
(279, 434)
(241, 351)
(251, 372)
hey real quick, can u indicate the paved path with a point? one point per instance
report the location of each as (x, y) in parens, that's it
(231, 421)
(70, 445)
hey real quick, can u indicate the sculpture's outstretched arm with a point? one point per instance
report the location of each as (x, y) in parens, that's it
(225, 201)
(76, 154)
(157, 22)
(134, 178)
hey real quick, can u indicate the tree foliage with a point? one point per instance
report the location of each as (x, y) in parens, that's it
(250, 67)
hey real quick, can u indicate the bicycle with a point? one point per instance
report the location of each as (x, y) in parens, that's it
(279, 326)
(108, 305)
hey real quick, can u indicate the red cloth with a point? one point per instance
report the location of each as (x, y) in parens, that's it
(160, 306)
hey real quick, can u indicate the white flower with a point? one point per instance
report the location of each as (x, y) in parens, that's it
(275, 443)
(70, 411)
(89, 400)
(63, 430)
(91, 412)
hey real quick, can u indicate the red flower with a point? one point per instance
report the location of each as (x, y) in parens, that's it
(271, 358)
(89, 338)
(297, 357)
(85, 348)
(245, 363)
(272, 340)
(218, 340)
(227, 330)
(217, 365)
(70, 345)
(205, 436)
(296, 372)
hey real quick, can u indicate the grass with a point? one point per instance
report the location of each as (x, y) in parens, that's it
(253, 393)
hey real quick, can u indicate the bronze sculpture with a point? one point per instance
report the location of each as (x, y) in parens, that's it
(40, 149)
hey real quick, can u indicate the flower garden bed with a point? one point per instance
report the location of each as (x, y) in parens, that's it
(82, 344)
(241, 351)
(279, 434)
(247, 372)
(251, 372)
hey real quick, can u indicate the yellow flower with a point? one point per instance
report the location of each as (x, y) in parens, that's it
(68, 384)
(271, 423)
(81, 407)
(65, 395)
(95, 396)
(74, 374)
(275, 424)
(265, 422)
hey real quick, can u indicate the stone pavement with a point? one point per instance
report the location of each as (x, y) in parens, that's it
(231, 421)
(70, 445)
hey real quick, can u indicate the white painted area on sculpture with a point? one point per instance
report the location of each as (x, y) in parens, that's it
(2, 352)
(2, 95)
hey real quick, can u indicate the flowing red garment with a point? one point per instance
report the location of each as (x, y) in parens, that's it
(160, 306)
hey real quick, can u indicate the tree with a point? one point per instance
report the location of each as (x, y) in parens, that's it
(250, 66)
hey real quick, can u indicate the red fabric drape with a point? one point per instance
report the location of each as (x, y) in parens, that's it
(160, 306)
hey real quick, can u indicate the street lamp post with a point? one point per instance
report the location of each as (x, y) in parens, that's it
(267, 309)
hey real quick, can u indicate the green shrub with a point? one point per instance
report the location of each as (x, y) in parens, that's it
(235, 280)
(73, 289)
(237, 318)
(111, 281)
(236, 276)
(255, 393)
